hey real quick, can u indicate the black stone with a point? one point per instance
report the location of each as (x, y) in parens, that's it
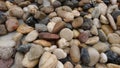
(106, 1)
(3, 18)
(87, 6)
(83, 14)
(117, 60)
(115, 14)
(31, 21)
(65, 59)
(68, 25)
(87, 25)
(85, 56)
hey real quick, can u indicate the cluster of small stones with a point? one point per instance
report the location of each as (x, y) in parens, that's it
(59, 33)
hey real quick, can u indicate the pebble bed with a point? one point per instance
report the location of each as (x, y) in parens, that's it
(59, 33)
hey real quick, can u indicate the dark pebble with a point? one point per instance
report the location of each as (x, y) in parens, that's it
(85, 56)
(41, 27)
(102, 36)
(83, 13)
(118, 60)
(75, 2)
(69, 3)
(65, 59)
(56, 4)
(31, 21)
(87, 6)
(106, 1)
(3, 30)
(115, 14)
(68, 25)
(3, 18)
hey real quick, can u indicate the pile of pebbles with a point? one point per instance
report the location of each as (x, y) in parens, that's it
(59, 33)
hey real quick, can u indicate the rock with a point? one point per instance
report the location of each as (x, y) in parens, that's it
(35, 52)
(43, 43)
(3, 30)
(112, 22)
(92, 40)
(3, 18)
(58, 26)
(118, 21)
(3, 6)
(47, 9)
(102, 35)
(62, 43)
(32, 9)
(96, 12)
(6, 63)
(75, 42)
(68, 18)
(50, 26)
(27, 63)
(98, 65)
(60, 54)
(18, 61)
(103, 58)
(66, 33)
(52, 15)
(103, 8)
(68, 65)
(107, 29)
(94, 30)
(23, 28)
(31, 36)
(111, 9)
(76, 33)
(96, 22)
(16, 11)
(101, 47)
(67, 50)
(41, 27)
(115, 49)
(77, 22)
(115, 14)
(9, 43)
(85, 58)
(39, 1)
(78, 66)
(76, 13)
(50, 49)
(83, 37)
(110, 65)
(75, 53)
(48, 60)
(6, 52)
(8, 36)
(68, 25)
(48, 36)
(60, 65)
(114, 2)
(114, 38)
(56, 19)
(94, 56)
(116, 45)
(39, 15)
(17, 36)
(103, 20)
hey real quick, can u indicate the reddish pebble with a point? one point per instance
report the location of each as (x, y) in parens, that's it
(83, 37)
(6, 63)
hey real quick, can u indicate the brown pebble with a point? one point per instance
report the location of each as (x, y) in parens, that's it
(3, 6)
(118, 21)
(43, 43)
(3, 30)
(107, 29)
(83, 37)
(77, 22)
(68, 65)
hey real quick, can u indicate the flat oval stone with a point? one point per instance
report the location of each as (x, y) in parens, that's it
(103, 8)
(110, 65)
(114, 38)
(103, 20)
(116, 50)
(77, 22)
(102, 35)
(98, 65)
(92, 40)
(41, 27)
(68, 65)
(107, 29)
(66, 33)
(60, 65)
(103, 58)
(44, 43)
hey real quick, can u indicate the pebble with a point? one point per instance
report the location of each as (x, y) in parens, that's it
(76, 13)
(78, 66)
(46, 3)
(96, 12)
(110, 65)
(101, 47)
(114, 38)
(116, 50)
(18, 60)
(77, 22)
(103, 58)
(113, 2)
(115, 14)
(32, 9)
(68, 65)
(107, 29)
(58, 26)
(103, 8)
(92, 40)
(76, 33)
(75, 42)
(39, 15)
(51, 48)
(102, 35)
(3, 30)
(16, 11)
(39, 1)
(35, 52)
(27, 63)
(31, 21)
(60, 54)
(17, 36)
(6, 52)
(66, 33)
(23, 28)
(3, 18)
(50, 26)
(68, 18)
(112, 22)
(52, 15)
(98, 65)
(83, 37)
(85, 58)
(48, 36)
(48, 60)
(118, 21)
(44, 43)
(68, 25)
(60, 65)
(12, 24)
(103, 19)
(9, 43)
(56, 19)
(8, 36)
(112, 8)
(63, 43)
(6, 63)
(31, 36)
(56, 3)
(75, 53)
(96, 22)
(94, 56)
(94, 30)
(3, 6)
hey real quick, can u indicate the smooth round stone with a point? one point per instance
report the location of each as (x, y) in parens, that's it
(92, 40)
(66, 33)
(7, 43)
(76, 33)
(76, 13)
(3, 30)
(75, 42)
(94, 30)
(98, 65)
(103, 19)
(102, 35)
(68, 65)
(114, 38)
(96, 22)
(6, 63)
(103, 8)
(110, 65)
(116, 50)
(62, 43)
(60, 54)
(60, 65)
(101, 47)
(83, 37)
(85, 58)
(43, 43)
(75, 53)
(103, 58)
(112, 22)
(48, 60)
(56, 19)
(27, 63)
(77, 22)
(35, 52)
(94, 56)
(107, 29)
(31, 36)
(50, 26)
(6, 52)
(3, 6)
(78, 66)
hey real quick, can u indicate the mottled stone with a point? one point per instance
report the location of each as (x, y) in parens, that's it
(114, 38)
(103, 8)
(6, 63)
(103, 58)
(62, 43)
(9, 43)
(102, 35)
(43, 43)
(3, 30)
(77, 22)
(41, 27)
(83, 37)
(68, 65)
